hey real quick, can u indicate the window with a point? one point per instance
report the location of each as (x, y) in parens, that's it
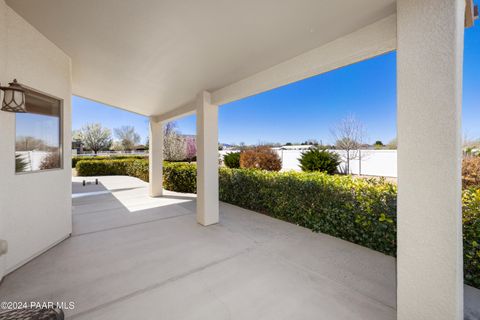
(38, 136)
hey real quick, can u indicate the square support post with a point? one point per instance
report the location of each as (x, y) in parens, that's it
(155, 159)
(429, 71)
(207, 161)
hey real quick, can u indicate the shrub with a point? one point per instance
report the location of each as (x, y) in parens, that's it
(471, 171)
(260, 158)
(471, 236)
(232, 160)
(180, 177)
(139, 169)
(75, 159)
(316, 159)
(103, 167)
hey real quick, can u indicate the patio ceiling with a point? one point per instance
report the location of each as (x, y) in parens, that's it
(152, 56)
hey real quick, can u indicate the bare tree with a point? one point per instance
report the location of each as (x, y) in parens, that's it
(28, 143)
(349, 135)
(127, 137)
(95, 137)
(174, 145)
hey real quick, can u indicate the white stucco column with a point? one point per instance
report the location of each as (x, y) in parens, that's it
(156, 159)
(429, 70)
(207, 160)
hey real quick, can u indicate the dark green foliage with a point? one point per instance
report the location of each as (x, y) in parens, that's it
(75, 159)
(232, 160)
(471, 236)
(180, 177)
(138, 168)
(316, 159)
(103, 167)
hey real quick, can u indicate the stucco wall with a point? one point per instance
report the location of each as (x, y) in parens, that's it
(35, 208)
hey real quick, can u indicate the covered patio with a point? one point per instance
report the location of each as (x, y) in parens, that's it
(167, 59)
(135, 257)
(132, 256)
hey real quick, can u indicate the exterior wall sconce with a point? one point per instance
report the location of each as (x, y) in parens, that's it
(13, 98)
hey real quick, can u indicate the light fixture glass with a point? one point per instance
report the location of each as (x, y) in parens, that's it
(13, 98)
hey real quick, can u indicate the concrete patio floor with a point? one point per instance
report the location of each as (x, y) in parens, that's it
(135, 257)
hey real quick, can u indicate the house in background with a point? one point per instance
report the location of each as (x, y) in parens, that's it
(166, 59)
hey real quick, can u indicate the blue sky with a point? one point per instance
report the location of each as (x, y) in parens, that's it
(308, 109)
(86, 111)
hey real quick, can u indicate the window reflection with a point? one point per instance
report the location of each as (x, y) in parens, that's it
(38, 138)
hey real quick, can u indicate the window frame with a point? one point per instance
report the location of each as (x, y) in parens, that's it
(60, 131)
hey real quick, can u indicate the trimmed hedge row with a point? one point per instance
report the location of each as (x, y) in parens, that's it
(103, 167)
(471, 236)
(76, 159)
(357, 210)
(180, 177)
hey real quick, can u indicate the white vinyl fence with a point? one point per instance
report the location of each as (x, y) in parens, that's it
(382, 163)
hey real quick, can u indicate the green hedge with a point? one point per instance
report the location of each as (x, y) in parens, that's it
(357, 210)
(471, 236)
(139, 169)
(76, 159)
(180, 177)
(103, 167)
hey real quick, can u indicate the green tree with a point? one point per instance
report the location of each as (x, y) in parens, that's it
(317, 159)
(232, 160)
(378, 144)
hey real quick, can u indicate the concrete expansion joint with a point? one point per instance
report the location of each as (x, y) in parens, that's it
(130, 225)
